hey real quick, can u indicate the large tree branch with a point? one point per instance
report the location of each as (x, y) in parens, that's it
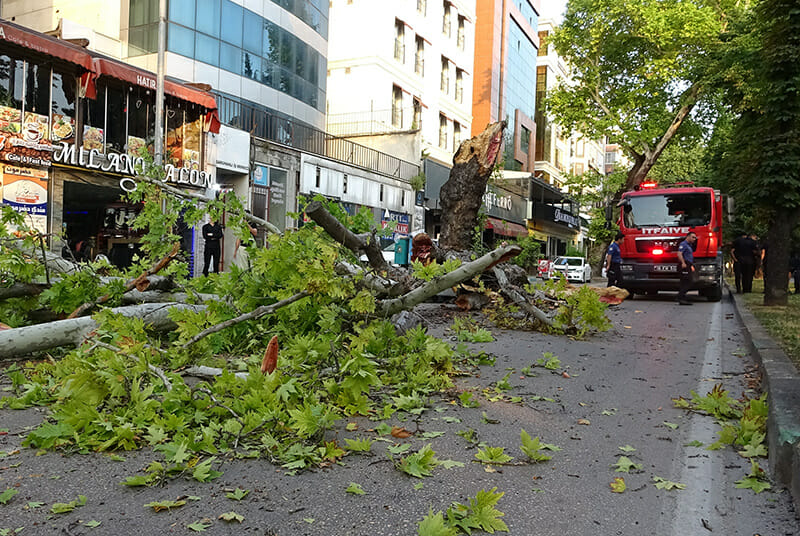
(367, 243)
(252, 315)
(137, 283)
(431, 288)
(71, 332)
(519, 299)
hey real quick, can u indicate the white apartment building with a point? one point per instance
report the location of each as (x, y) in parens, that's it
(402, 65)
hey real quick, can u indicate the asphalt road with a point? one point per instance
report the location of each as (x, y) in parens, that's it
(618, 394)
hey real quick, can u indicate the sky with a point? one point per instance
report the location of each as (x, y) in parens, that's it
(553, 9)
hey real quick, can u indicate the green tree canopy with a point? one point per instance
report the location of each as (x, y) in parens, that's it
(640, 71)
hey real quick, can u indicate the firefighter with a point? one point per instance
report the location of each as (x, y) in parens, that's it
(686, 266)
(613, 262)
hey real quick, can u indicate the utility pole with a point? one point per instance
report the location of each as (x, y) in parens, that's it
(162, 45)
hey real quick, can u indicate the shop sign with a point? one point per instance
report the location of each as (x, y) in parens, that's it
(25, 190)
(403, 222)
(25, 141)
(126, 164)
(233, 149)
(505, 205)
(260, 175)
(552, 214)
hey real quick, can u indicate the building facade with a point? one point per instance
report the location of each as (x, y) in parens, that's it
(76, 126)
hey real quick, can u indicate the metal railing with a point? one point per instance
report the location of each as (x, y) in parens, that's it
(266, 125)
(371, 122)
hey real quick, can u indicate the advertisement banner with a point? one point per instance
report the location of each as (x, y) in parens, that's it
(403, 227)
(25, 141)
(260, 175)
(25, 190)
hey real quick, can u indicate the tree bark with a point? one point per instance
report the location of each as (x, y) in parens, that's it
(431, 288)
(368, 243)
(519, 299)
(71, 332)
(461, 196)
(644, 161)
(19, 290)
(776, 260)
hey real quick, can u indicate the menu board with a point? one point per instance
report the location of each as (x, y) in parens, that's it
(25, 190)
(25, 140)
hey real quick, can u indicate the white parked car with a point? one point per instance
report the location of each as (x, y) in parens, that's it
(388, 254)
(574, 268)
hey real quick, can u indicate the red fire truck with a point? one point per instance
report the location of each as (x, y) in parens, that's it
(654, 221)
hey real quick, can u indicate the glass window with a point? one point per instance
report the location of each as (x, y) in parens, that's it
(287, 49)
(206, 49)
(11, 78)
(63, 95)
(268, 75)
(271, 42)
(251, 66)
(143, 12)
(192, 133)
(208, 17)
(116, 125)
(252, 33)
(301, 60)
(524, 140)
(37, 89)
(94, 117)
(230, 58)
(141, 119)
(180, 40)
(182, 12)
(232, 23)
(143, 40)
(173, 146)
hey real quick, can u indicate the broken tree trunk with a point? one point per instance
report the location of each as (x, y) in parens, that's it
(19, 290)
(462, 195)
(71, 332)
(519, 299)
(437, 285)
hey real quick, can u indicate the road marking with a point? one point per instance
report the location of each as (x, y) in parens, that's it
(703, 474)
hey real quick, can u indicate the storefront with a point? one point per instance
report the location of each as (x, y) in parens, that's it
(505, 212)
(552, 219)
(75, 131)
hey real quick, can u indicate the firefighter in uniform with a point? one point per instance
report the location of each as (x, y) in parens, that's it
(686, 266)
(613, 262)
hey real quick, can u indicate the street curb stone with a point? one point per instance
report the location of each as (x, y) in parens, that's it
(782, 383)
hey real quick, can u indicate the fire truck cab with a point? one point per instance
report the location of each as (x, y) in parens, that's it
(654, 221)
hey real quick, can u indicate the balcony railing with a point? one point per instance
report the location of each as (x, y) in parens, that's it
(266, 125)
(371, 122)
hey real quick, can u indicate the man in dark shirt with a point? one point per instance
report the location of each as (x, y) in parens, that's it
(212, 233)
(686, 266)
(744, 252)
(794, 269)
(737, 266)
(614, 261)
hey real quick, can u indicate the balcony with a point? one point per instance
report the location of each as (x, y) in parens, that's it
(371, 122)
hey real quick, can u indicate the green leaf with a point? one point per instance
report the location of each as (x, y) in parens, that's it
(7, 495)
(670, 425)
(160, 506)
(231, 516)
(753, 451)
(627, 448)
(625, 464)
(434, 525)
(32, 505)
(449, 464)
(204, 473)
(756, 484)
(63, 508)
(199, 526)
(531, 447)
(493, 455)
(358, 445)
(694, 443)
(618, 485)
(238, 494)
(661, 483)
(93, 524)
(420, 464)
(355, 489)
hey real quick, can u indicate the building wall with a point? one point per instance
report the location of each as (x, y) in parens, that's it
(505, 73)
(383, 81)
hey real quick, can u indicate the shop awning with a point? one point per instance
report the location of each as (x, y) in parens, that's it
(146, 79)
(45, 44)
(506, 228)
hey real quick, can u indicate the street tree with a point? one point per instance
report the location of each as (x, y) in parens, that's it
(761, 162)
(640, 72)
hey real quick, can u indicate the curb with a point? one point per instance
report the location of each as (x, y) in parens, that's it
(782, 383)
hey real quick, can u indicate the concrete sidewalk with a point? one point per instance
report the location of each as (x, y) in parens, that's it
(782, 383)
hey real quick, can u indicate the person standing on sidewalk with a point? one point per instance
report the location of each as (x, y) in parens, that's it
(212, 233)
(745, 251)
(614, 261)
(794, 269)
(737, 265)
(686, 266)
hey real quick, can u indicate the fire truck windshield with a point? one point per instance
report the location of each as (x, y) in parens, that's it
(668, 210)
